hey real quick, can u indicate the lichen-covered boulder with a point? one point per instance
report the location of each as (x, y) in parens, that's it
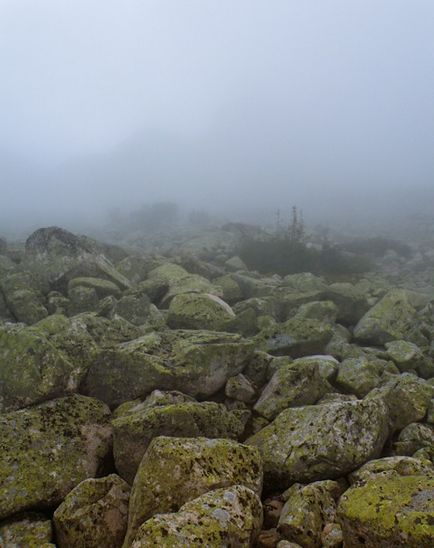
(235, 263)
(231, 291)
(294, 385)
(297, 337)
(198, 363)
(136, 267)
(82, 299)
(102, 287)
(393, 318)
(359, 376)
(23, 297)
(223, 517)
(199, 311)
(351, 301)
(240, 388)
(407, 398)
(47, 450)
(93, 514)
(406, 355)
(32, 369)
(135, 428)
(192, 283)
(176, 470)
(29, 530)
(391, 467)
(389, 511)
(307, 510)
(325, 311)
(135, 309)
(416, 439)
(321, 441)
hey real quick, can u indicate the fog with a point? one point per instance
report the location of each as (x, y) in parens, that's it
(234, 107)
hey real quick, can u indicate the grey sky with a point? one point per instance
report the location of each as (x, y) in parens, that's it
(265, 96)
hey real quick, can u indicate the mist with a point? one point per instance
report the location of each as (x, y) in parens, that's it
(238, 108)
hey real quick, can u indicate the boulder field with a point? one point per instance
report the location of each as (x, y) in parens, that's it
(150, 400)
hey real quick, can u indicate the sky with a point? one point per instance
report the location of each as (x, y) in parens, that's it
(226, 104)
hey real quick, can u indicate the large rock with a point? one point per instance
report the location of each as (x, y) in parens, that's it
(224, 517)
(32, 369)
(58, 256)
(394, 317)
(391, 467)
(93, 514)
(389, 511)
(416, 439)
(307, 510)
(176, 470)
(407, 398)
(360, 375)
(102, 287)
(23, 297)
(47, 450)
(296, 384)
(297, 337)
(321, 442)
(407, 356)
(137, 426)
(31, 530)
(198, 363)
(199, 311)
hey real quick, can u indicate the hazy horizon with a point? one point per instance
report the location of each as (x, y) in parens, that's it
(233, 107)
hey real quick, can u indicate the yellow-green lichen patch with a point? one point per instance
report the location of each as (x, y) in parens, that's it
(48, 449)
(176, 470)
(389, 511)
(224, 517)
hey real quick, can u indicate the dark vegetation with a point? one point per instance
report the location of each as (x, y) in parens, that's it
(287, 251)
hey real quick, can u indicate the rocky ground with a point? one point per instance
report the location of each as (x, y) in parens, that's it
(183, 400)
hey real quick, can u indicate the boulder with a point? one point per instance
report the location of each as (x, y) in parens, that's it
(307, 510)
(389, 511)
(26, 530)
(407, 356)
(174, 471)
(359, 376)
(198, 363)
(294, 385)
(93, 514)
(48, 449)
(321, 442)
(231, 291)
(407, 398)
(136, 427)
(82, 299)
(199, 311)
(297, 337)
(225, 517)
(240, 388)
(32, 368)
(134, 309)
(391, 467)
(23, 298)
(394, 317)
(416, 439)
(102, 287)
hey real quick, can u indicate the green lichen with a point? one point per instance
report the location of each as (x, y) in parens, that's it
(389, 511)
